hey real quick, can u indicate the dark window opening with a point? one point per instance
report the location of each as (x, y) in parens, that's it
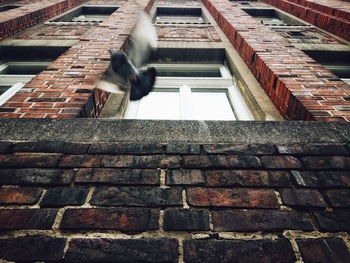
(296, 34)
(3, 89)
(8, 7)
(23, 69)
(272, 17)
(91, 14)
(173, 15)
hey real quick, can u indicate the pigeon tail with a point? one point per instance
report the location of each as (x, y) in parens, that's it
(143, 84)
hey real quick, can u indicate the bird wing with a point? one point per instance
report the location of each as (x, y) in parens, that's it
(142, 40)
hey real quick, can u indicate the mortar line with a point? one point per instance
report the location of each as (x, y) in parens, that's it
(88, 197)
(184, 200)
(58, 218)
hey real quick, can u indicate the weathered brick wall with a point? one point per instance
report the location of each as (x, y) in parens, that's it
(174, 202)
(300, 88)
(18, 19)
(333, 16)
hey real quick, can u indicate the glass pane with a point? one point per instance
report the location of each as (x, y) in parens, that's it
(23, 69)
(189, 72)
(211, 106)
(160, 106)
(3, 89)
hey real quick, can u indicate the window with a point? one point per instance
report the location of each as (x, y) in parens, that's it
(8, 7)
(337, 62)
(173, 16)
(14, 75)
(272, 17)
(296, 34)
(191, 92)
(85, 14)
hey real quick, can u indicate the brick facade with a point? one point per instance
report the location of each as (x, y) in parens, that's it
(299, 87)
(333, 16)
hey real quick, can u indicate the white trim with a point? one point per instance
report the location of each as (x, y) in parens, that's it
(236, 99)
(10, 92)
(187, 85)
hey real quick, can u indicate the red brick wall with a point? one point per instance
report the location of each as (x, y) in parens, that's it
(16, 20)
(66, 88)
(300, 88)
(324, 14)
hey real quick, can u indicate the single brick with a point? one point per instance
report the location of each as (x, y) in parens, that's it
(146, 161)
(326, 162)
(29, 160)
(118, 161)
(28, 196)
(260, 220)
(232, 197)
(280, 162)
(157, 161)
(136, 196)
(32, 248)
(182, 148)
(51, 147)
(12, 219)
(122, 219)
(247, 178)
(221, 161)
(122, 250)
(240, 251)
(118, 176)
(64, 196)
(254, 149)
(323, 250)
(126, 148)
(313, 149)
(302, 197)
(334, 221)
(5, 147)
(185, 219)
(321, 178)
(36, 176)
(185, 177)
(80, 161)
(339, 198)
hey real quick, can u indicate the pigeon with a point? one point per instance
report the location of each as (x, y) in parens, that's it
(125, 69)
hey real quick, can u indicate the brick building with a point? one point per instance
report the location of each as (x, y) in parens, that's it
(204, 169)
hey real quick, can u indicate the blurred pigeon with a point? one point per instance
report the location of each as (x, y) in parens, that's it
(123, 72)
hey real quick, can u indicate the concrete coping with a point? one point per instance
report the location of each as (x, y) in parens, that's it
(112, 130)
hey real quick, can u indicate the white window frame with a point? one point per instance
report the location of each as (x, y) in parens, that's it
(15, 81)
(185, 84)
